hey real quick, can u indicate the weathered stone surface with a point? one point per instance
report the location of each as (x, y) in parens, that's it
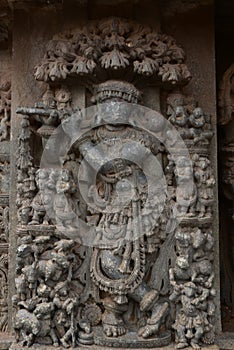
(65, 289)
(93, 275)
(168, 347)
(5, 341)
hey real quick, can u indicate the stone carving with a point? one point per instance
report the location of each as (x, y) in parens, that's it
(4, 288)
(189, 119)
(46, 263)
(195, 129)
(26, 174)
(205, 183)
(113, 44)
(122, 291)
(47, 290)
(226, 97)
(226, 120)
(5, 107)
(192, 284)
(226, 156)
(192, 276)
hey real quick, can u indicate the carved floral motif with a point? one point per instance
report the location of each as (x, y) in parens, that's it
(114, 44)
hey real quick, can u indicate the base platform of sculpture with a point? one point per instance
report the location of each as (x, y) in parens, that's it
(96, 347)
(131, 340)
(5, 340)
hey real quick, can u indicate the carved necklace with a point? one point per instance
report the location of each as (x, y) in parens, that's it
(108, 132)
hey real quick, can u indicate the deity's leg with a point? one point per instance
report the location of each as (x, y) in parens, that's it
(182, 341)
(113, 324)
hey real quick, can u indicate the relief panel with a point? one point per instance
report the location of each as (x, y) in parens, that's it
(114, 237)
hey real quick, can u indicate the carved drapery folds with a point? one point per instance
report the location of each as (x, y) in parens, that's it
(147, 271)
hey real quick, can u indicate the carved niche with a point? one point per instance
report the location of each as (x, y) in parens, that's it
(119, 261)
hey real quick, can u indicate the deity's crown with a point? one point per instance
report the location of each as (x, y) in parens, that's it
(116, 89)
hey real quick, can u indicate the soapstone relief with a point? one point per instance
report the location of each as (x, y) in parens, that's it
(147, 278)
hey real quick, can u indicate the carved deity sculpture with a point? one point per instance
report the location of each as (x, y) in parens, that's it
(120, 271)
(151, 250)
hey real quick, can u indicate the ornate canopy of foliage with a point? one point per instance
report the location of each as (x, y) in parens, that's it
(113, 45)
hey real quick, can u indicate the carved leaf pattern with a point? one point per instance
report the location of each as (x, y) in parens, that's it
(83, 66)
(147, 67)
(52, 70)
(173, 73)
(114, 59)
(116, 44)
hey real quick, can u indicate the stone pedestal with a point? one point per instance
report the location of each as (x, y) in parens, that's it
(95, 347)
